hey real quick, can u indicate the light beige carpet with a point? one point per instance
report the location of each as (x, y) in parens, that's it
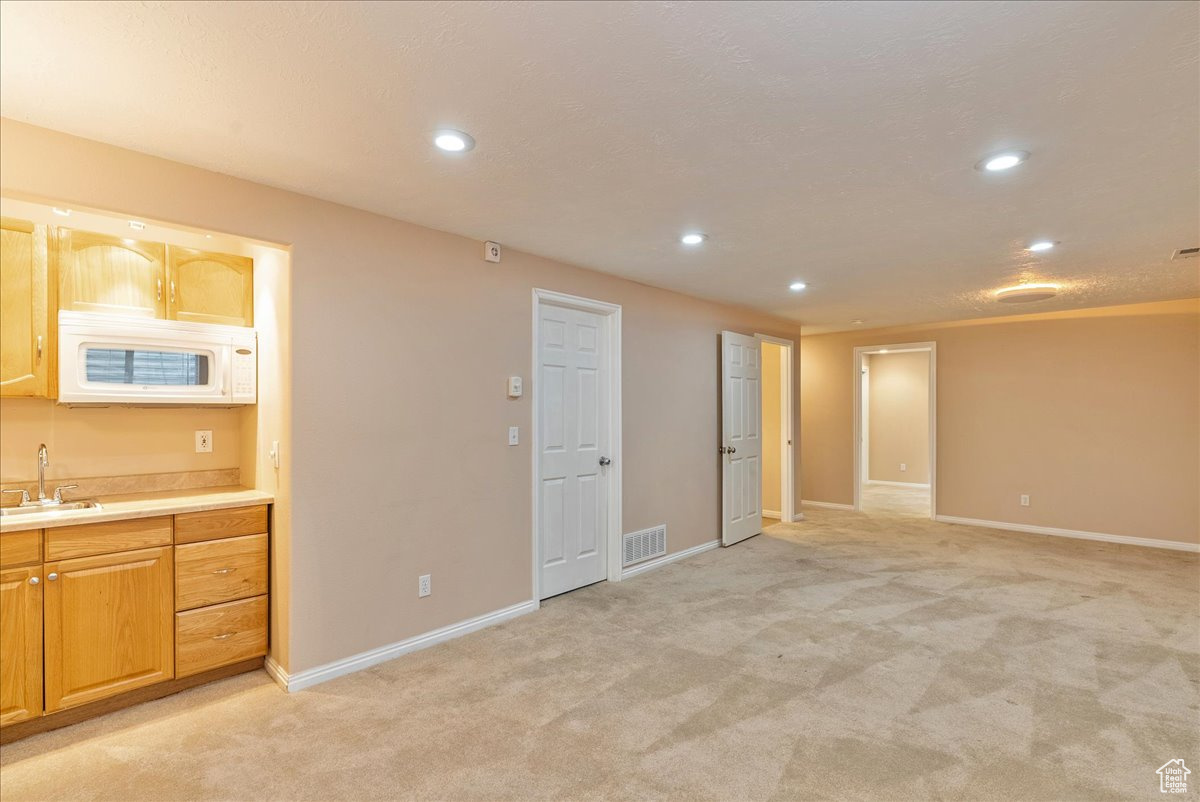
(853, 656)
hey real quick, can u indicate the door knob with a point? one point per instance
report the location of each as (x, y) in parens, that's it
(605, 461)
(732, 450)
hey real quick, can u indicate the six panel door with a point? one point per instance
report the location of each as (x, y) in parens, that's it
(205, 287)
(741, 434)
(20, 644)
(99, 273)
(110, 625)
(573, 437)
(25, 347)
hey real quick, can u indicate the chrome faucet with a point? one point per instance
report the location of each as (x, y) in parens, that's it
(43, 461)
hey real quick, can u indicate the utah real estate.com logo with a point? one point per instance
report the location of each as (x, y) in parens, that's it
(1172, 777)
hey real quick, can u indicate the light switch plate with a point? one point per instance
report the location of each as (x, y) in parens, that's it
(203, 441)
(514, 435)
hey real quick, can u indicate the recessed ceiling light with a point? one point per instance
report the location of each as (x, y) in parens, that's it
(1025, 293)
(452, 141)
(999, 162)
(694, 238)
(1041, 245)
(62, 212)
(208, 236)
(883, 350)
(128, 241)
(856, 322)
(796, 286)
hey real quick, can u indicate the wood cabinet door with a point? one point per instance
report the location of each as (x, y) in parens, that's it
(99, 273)
(109, 625)
(25, 347)
(205, 287)
(20, 644)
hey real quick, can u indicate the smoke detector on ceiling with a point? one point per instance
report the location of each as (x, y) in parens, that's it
(1185, 253)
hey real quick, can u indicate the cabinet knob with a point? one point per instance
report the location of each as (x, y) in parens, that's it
(52, 576)
(33, 580)
(159, 296)
(39, 346)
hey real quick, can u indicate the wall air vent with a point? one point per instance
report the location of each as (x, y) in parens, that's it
(645, 544)
(1186, 253)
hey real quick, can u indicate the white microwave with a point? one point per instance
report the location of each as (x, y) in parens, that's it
(112, 359)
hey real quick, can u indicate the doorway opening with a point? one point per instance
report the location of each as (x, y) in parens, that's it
(895, 429)
(777, 464)
(576, 390)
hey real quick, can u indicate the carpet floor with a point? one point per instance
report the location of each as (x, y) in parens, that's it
(852, 656)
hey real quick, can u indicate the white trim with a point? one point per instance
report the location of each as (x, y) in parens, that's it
(667, 559)
(798, 517)
(348, 665)
(772, 514)
(616, 469)
(859, 353)
(896, 484)
(276, 672)
(787, 428)
(829, 505)
(1127, 540)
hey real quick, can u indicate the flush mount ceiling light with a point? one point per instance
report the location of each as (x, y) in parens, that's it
(694, 238)
(1041, 245)
(797, 286)
(999, 162)
(1026, 293)
(452, 141)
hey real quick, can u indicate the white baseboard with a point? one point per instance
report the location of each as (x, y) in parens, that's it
(798, 517)
(896, 484)
(1073, 533)
(772, 514)
(348, 665)
(276, 672)
(829, 505)
(667, 559)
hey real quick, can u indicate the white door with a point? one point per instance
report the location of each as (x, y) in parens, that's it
(574, 438)
(741, 436)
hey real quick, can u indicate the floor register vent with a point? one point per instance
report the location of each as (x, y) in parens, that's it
(645, 544)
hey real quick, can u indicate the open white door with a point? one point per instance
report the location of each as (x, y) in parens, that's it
(741, 437)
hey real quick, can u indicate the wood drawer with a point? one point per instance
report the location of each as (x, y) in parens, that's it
(219, 635)
(218, 571)
(85, 540)
(20, 548)
(191, 527)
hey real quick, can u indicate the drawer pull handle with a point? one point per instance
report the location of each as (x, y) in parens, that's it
(223, 637)
(223, 571)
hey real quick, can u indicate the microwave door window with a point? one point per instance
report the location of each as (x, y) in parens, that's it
(161, 368)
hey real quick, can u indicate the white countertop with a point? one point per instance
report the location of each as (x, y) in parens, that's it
(140, 505)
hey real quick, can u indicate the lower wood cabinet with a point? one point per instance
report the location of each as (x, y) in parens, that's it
(20, 644)
(220, 634)
(109, 625)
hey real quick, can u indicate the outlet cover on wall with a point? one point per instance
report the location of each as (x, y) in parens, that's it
(1024, 500)
(424, 585)
(904, 466)
(203, 441)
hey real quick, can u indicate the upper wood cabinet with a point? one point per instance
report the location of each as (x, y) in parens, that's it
(99, 273)
(20, 644)
(109, 625)
(27, 349)
(206, 287)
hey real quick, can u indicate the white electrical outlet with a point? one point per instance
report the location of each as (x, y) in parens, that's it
(514, 435)
(904, 466)
(203, 441)
(424, 585)
(1024, 500)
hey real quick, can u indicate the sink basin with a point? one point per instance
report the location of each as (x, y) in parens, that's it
(66, 506)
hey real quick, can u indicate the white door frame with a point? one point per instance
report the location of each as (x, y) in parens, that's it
(859, 353)
(613, 313)
(787, 439)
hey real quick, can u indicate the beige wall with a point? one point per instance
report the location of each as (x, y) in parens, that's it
(771, 423)
(1094, 414)
(424, 439)
(111, 441)
(898, 418)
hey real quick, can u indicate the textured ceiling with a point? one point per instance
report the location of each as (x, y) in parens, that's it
(828, 142)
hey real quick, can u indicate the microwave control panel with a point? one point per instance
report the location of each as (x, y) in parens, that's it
(245, 375)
